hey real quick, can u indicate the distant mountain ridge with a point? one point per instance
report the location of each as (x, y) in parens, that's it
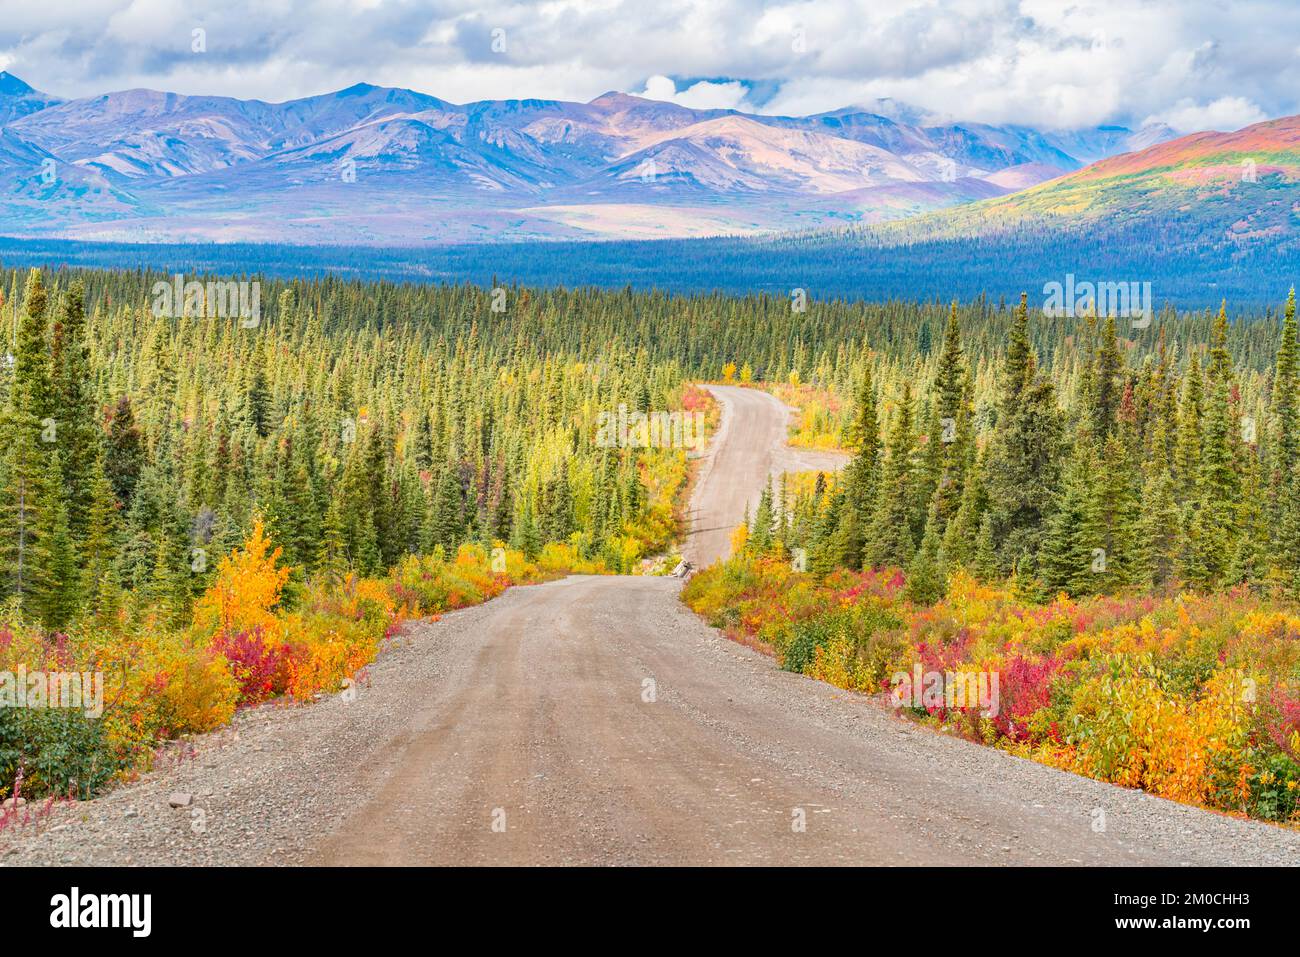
(1223, 189)
(377, 165)
(1198, 219)
(17, 99)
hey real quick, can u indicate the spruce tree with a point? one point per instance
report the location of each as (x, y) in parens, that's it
(1075, 532)
(962, 530)
(98, 584)
(890, 539)
(53, 569)
(1106, 385)
(446, 512)
(1187, 456)
(857, 505)
(760, 532)
(954, 428)
(1283, 509)
(1220, 482)
(29, 487)
(1023, 466)
(1155, 558)
(124, 455)
(73, 408)
(926, 580)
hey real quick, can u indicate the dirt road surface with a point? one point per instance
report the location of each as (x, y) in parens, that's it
(596, 720)
(748, 450)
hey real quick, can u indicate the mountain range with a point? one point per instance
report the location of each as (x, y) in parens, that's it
(1240, 186)
(373, 165)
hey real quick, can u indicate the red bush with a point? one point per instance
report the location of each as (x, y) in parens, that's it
(252, 662)
(1023, 687)
(1284, 722)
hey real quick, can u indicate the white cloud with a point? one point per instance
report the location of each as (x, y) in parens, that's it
(1227, 113)
(1040, 62)
(703, 95)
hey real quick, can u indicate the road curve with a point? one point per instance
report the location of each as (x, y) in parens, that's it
(748, 450)
(596, 720)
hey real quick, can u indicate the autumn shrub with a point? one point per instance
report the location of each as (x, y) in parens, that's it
(806, 637)
(323, 651)
(246, 592)
(428, 585)
(336, 630)
(1190, 697)
(1025, 693)
(249, 641)
(254, 663)
(195, 692)
(1280, 718)
(157, 683)
(60, 751)
(862, 642)
(821, 416)
(560, 558)
(1267, 785)
(715, 592)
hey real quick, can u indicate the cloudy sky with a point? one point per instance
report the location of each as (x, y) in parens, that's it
(1195, 64)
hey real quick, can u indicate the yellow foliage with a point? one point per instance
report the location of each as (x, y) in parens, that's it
(739, 538)
(836, 663)
(805, 483)
(246, 591)
(198, 694)
(821, 416)
(1142, 736)
(1189, 698)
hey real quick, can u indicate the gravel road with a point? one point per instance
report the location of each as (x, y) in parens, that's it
(596, 720)
(748, 449)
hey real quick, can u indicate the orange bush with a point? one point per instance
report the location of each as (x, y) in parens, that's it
(246, 592)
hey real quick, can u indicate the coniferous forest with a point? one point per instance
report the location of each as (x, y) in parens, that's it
(1106, 528)
(213, 512)
(1112, 464)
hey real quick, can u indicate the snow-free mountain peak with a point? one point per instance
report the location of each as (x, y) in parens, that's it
(369, 163)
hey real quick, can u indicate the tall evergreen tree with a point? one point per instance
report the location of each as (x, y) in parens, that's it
(1220, 483)
(856, 507)
(1023, 467)
(891, 541)
(79, 437)
(1283, 509)
(30, 489)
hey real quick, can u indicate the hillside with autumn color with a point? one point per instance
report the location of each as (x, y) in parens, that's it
(1241, 187)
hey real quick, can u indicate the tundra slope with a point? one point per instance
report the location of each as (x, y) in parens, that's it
(604, 723)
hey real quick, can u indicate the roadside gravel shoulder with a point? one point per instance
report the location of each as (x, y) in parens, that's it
(266, 787)
(283, 781)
